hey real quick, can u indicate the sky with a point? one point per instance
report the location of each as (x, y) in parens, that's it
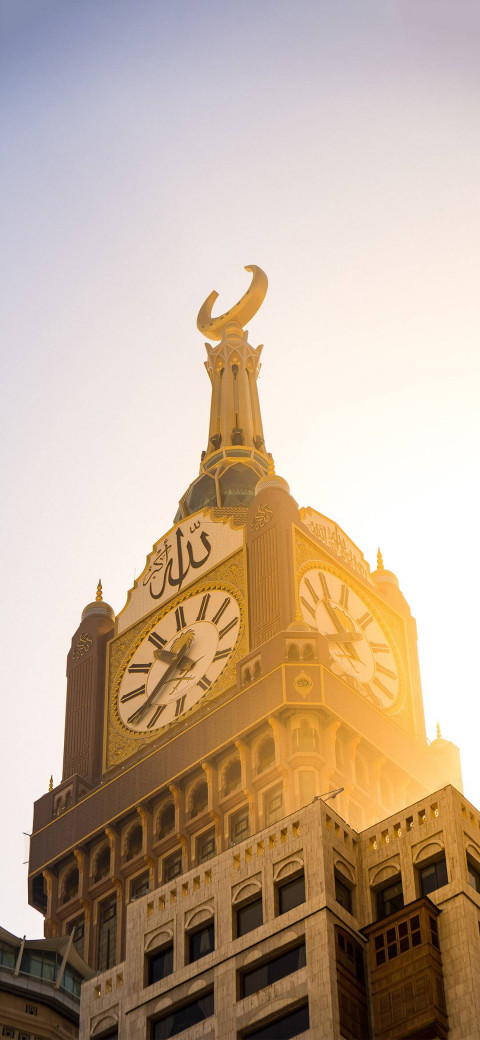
(151, 149)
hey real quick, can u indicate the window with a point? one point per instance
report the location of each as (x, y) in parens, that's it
(199, 800)
(172, 865)
(140, 885)
(266, 754)
(343, 891)
(350, 954)
(205, 846)
(134, 842)
(181, 1018)
(397, 939)
(42, 965)
(159, 964)
(389, 897)
(166, 820)
(70, 885)
(433, 876)
(78, 928)
(473, 873)
(239, 825)
(291, 893)
(200, 941)
(107, 934)
(248, 916)
(290, 1024)
(71, 982)
(232, 777)
(305, 737)
(102, 864)
(8, 955)
(273, 805)
(276, 967)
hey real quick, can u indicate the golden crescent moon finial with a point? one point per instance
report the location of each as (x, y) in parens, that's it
(240, 313)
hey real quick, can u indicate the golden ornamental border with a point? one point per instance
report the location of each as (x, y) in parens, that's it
(120, 742)
(365, 596)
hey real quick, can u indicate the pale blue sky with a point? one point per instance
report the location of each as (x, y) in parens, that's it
(150, 150)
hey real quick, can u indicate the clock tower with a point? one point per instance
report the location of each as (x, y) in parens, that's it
(257, 663)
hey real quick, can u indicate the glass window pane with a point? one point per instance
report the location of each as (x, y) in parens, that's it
(272, 970)
(291, 893)
(188, 1015)
(160, 964)
(284, 1028)
(249, 916)
(201, 942)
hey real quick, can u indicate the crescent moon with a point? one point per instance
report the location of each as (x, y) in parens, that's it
(240, 313)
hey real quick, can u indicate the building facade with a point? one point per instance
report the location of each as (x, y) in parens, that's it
(258, 662)
(40, 982)
(310, 929)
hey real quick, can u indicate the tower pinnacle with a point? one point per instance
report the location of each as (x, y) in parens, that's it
(235, 457)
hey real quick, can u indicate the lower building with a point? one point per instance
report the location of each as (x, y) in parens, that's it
(40, 982)
(309, 929)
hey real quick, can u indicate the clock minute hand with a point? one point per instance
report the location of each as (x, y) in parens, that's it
(165, 678)
(344, 635)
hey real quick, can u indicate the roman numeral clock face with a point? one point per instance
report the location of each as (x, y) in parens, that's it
(359, 649)
(178, 661)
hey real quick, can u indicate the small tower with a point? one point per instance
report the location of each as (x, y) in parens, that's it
(85, 691)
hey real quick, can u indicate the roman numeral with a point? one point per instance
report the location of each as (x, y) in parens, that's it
(385, 671)
(323, 583)
(133, 693)
(311, 590)
(145, 668)
(220, 654)
(204, 682)
(203, 607)
(379, 648)
(137, 715)
(180, 705)
(365, 620)
(221, 610)
(384, 689)
(228, 628)
(307, 606)
(156, 715)
(344, 597)
(157, 640)
(180, 618)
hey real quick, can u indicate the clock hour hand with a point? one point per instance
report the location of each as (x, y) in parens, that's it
(181, 645)
(344, 635)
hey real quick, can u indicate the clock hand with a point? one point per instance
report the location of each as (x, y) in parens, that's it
(344, 633)
(185, 644)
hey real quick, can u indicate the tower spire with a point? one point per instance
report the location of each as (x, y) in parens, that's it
(233, 366)
(235, 458)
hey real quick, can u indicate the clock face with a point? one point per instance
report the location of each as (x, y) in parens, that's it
(178, 661)
(359, 649)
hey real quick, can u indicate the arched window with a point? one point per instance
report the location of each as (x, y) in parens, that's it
(308, 653)
(102, 863)
(232, 777)
(266, 754)
(70, 885)
(305, 737)
(361, 772)
(199, 799)
(166, 820)
(293, 652)
(134, 841)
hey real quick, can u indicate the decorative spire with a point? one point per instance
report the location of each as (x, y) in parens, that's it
(380, 566)
(50, 783)
(233, 366)
(439, 732)
(99, 596)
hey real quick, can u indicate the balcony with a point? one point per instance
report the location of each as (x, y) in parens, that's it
(406, 976)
